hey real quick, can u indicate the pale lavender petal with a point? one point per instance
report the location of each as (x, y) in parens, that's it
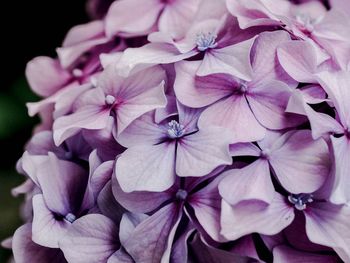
(139, 201)
(47, 230)
(233, 60)
(128, 224)
(197, 91)
(136, 59)
(234, 114)
(337, 87)
(147, 168)
(252, 182)
(251, 217)
(92, 238)
(206, 204)
(328, 225)
(200, 153)
(268, 101)
(341, 150)
(89, 117)
(143, 130)
(301, 164)
(299, 59)
(264, 57)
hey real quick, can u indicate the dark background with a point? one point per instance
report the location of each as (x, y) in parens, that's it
(29, 29)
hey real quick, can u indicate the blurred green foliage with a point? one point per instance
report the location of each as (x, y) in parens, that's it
(15, 130)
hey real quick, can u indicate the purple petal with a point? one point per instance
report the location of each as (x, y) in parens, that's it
(26, 251)
(63, 185)
(152, 239)
(288, 255)
(128, 224)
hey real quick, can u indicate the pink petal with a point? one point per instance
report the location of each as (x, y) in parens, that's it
(252, 182)
(234, 114)
(142, 18)
(250, 217)
(147, 168)
(178, 16)
(200, 153)
(46, 76)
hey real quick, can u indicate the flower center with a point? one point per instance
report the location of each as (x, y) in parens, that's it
(181, 195)
(206, 41)
(110, 100)
(305, 22)
(70, 218)
(175, 130)
(300, 200)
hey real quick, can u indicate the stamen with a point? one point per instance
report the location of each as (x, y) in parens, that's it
(78, 73)
(175, 130)
(300, 200)
(306, 22)
(206, 41)
(181, 194)
(110, 100)
(70, 218)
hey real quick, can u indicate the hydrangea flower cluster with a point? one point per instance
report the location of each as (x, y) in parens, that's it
(191, 131)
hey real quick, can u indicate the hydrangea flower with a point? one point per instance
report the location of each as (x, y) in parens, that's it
(191, 131)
